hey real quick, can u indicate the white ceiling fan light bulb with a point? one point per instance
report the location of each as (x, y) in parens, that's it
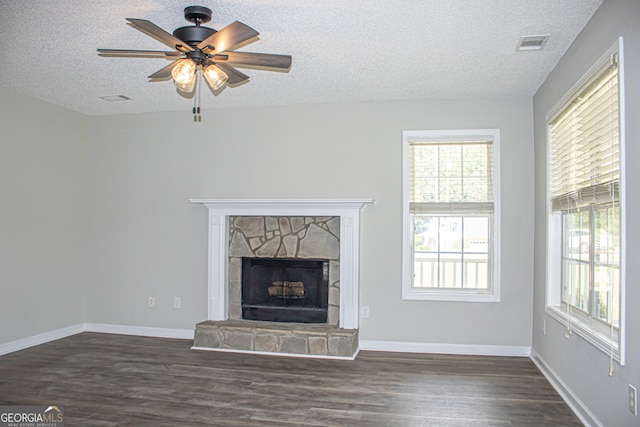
(184, 75)
(215, 77)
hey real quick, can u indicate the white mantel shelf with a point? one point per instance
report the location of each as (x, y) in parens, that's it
(281, 205)
(347, 209)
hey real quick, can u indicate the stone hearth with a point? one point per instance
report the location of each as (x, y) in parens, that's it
(273, 337)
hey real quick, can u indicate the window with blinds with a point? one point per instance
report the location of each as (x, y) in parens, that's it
(585, 244)
(451, 176)
(450, 204)
(585, 148)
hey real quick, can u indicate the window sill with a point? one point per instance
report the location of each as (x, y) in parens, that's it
(449, 295)
(582, 328)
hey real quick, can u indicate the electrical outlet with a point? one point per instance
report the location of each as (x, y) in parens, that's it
(633, 400)
(151, 302)
(177, 302)
(364, 311)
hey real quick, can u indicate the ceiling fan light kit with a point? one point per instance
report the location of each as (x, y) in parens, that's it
(184, 74)
(202, 51)
(215, 77)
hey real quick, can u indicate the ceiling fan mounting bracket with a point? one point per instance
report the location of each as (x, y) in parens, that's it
(197, 14)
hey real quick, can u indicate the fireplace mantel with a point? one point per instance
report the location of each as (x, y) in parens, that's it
(347, 209)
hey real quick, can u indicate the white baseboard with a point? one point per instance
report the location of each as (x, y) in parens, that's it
(144, 331)
(573, 401)
(42, 338)
(392, 346)
(104, 328)
(470, 349)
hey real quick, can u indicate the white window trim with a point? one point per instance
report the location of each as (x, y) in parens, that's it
(462, 295)
(553, 306)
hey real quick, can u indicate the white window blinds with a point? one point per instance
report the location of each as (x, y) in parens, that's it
(451, 177)
(585, 148)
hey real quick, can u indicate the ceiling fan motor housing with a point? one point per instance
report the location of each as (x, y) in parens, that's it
(193, 35)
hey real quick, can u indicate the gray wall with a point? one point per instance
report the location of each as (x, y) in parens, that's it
(579, 365)
(43, 207)
(146, 239)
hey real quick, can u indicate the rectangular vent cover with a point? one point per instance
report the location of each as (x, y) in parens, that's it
(115, 98)
(528, 43)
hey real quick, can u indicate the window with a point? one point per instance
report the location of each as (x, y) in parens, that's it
(450, 211)
(584, 279)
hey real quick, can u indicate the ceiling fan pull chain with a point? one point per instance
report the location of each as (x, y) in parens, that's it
(199, 92)
(196, 99)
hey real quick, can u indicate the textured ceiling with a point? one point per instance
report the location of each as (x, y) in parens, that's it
(343, 51)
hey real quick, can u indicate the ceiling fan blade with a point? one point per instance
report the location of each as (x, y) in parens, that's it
(164, 72)
(129, 52)
(228, 37)
(234, 75)
(160, 34)
(258, 59)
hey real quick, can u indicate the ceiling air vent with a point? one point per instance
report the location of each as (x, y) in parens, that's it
(115, 98)
(528, 43)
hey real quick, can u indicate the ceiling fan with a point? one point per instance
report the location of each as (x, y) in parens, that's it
(202, 51)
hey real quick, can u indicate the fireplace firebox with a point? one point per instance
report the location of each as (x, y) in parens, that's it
(285, 289)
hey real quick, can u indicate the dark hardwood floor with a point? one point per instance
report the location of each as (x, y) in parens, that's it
(115, 380)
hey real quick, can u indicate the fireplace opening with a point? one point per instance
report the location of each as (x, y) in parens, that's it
(285, 290)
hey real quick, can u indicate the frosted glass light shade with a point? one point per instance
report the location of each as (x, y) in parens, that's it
(215, 77)
(184, 75)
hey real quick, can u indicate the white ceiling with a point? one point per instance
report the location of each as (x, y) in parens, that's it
(343, 50)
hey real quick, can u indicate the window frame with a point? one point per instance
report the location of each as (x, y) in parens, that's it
(589, 328)
(447, 294)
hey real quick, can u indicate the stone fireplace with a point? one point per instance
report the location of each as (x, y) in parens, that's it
(270, 249)
(302, 256)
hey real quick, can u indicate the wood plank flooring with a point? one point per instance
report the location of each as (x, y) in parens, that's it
(115, 380)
